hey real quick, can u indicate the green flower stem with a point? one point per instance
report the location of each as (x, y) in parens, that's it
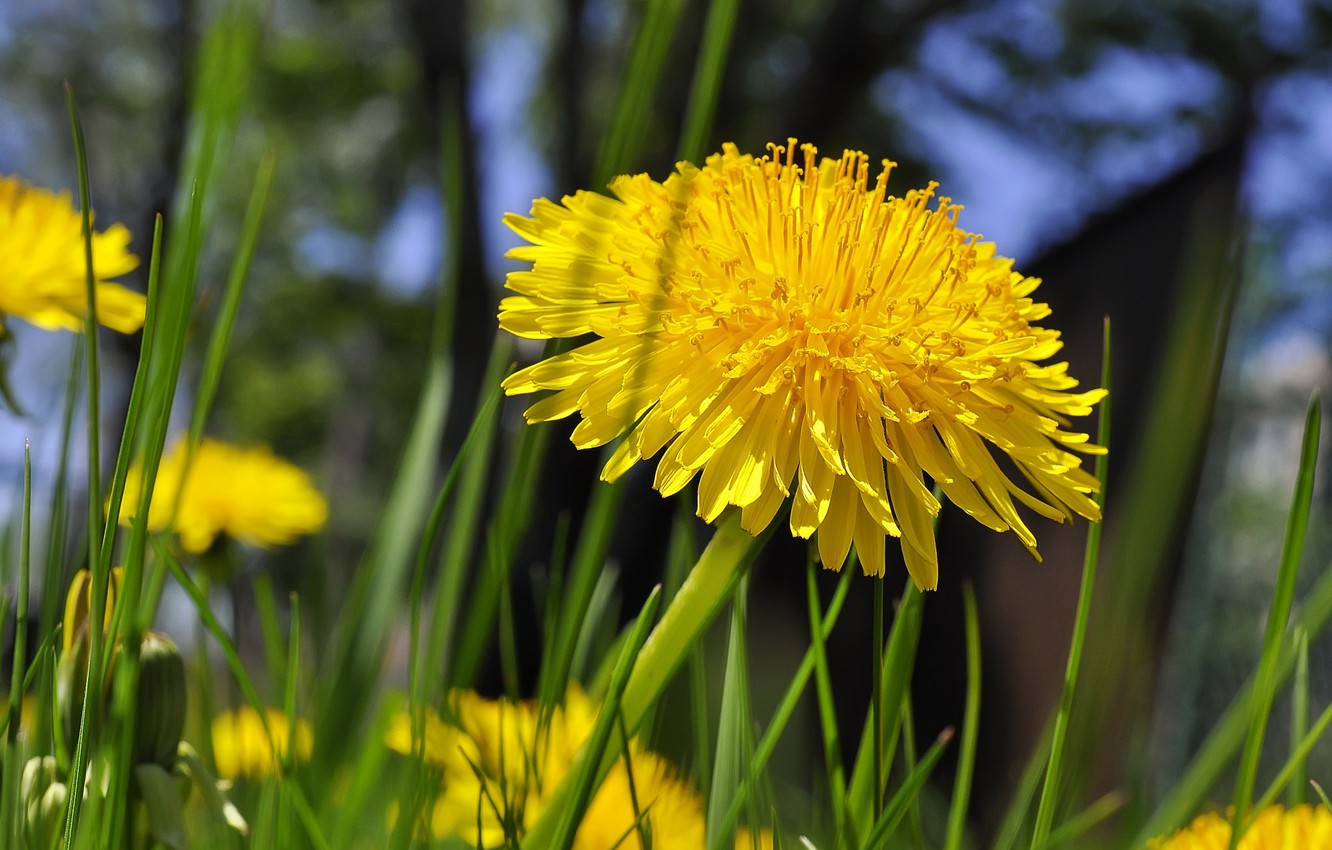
(706, 589)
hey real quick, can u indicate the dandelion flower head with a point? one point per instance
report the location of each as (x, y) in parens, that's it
(1275, 828)
(43, 277)
(500, 761)
(245, 492)
(781, 327)
(242, 746)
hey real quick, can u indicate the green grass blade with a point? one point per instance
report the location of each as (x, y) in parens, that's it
(1283, 599)
(58, 528)
(709, 585)
(733, 727)
(588, 563)
(482, 426)
(915, 821)
(897, 807)
(708, 74)
(966, 760)
(595, 755)
(218, 632)
(1229, 733)
(508, 527)
(1294, 769)
(782, 716)
(9, 796)
(139, 392)
(89, 722)
(623, 142)
(270, 629)
(355, 647)
(19, 662)
(1084, 821)
(354, 653)
(832, 747)
(456, 559)
(211, 374)
(898, 662)
(1045, 809)
(1299, 722)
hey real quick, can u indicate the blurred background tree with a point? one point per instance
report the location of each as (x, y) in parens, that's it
(1163, 164)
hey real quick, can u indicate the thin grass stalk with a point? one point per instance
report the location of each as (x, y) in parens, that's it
(708, 73)
(1086, 820)
(215, 628)
(419, 689)
(733, 726)
(89, 721)
(898, 663)
(58, 527)
(1283, 598)
(897, 807)
(876, 705)
(9, 799)
(1214, 756)
(587, 771)
(455, 558)
(915, 822)
(1299, 721)
(405, 509)
(622, 143)
(1049, 799)
(1019, 809)
(782, 715)
(19, 663)
(270, 629)
(966, 760)
(211, 373)
(1294, 768)
(285, 799)
(589, 561)
(134, 411)
(832, 747)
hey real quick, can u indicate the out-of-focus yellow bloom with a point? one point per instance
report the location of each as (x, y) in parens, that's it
(245, 492)
(501, 760)
(78, 599)
(778, 327)
(1275, 828)
(748, 839)
(242, 748)
(43, 276)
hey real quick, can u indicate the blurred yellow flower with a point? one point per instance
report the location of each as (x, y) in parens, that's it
(1275, 828)
(499, 761)
(244, 492)
(44, 277)
(782, 331)
(242, 748)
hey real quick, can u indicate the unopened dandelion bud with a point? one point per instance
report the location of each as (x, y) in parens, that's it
(44, 797)
(160, 718)
(76, 642)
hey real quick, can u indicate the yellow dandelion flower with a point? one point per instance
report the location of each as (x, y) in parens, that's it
(244, 492)
(500, 761)
(784, 330)
(748, 839)
(1275, 828)
(44, 276)
(242, 748)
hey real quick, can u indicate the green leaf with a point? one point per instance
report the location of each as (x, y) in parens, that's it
(162, 801)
